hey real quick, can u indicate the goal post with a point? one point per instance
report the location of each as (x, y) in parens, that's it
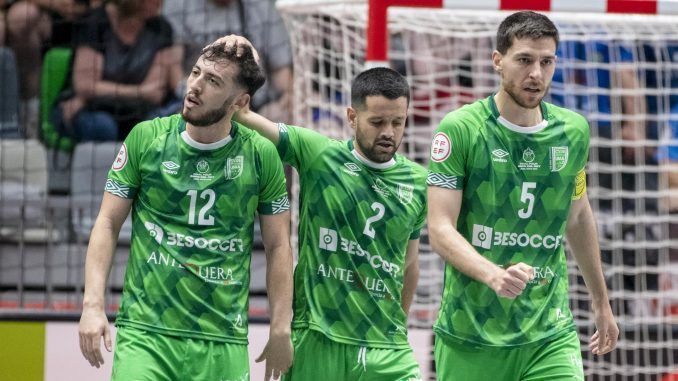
(617, 65)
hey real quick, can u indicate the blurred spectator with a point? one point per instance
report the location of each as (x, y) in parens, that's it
(32, 27)
(3, 25)
(593, 71)
(125, 70)
(197, 23)
(600, 80)
(668, 156)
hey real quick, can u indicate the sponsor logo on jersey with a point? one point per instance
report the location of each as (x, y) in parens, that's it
(233, 245)
(234, 166)
(441, 147)
(202, 167)
(380, 187)
(559, 156)
(170, 167)
(405, 193)
(499, 155)
(486, 237)
(155, 231)
(351, 168)
(542, 275)
(212, 274)
(121, 159)
(528, 163)
(329, 240)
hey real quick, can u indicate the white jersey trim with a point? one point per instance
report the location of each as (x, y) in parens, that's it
(523, 130)
(371, 163)
(205, 146)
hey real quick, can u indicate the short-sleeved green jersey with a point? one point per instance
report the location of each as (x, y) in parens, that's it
(193, 223)
(356, 220)
(518, 185)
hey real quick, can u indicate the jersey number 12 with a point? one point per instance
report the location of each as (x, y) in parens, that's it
(203, 217)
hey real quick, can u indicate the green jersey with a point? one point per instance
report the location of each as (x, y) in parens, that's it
(518, 185)
(356, 220)
(193, 224)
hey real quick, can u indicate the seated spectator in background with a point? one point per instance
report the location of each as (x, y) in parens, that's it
(197, 23)
(3, 25)
(668, 157)
(586, 66)
(32, 27)
(125, 70)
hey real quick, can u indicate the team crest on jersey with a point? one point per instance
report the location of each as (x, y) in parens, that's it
(121, 159)
(202, 168)
(380, 187)
(233, 168)
(559, 156)
(441, 147)
(405, 193)
(528, 163)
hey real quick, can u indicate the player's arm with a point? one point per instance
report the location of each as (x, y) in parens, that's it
(278, 353)
(258, 123)
(583, 239)
(411, 274)
(102, 242)
(459, 253)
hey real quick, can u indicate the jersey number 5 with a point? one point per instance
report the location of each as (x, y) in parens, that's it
(379, 208)
(526, 196)
(202, 220)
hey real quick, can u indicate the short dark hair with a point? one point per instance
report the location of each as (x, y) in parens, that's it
(250, 76)
(378, 81)
(523, 24)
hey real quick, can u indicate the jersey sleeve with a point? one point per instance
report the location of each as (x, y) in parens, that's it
(421, 219)
(124, 178)
(580, 177)
(272, 190)
(299, 146)
(447, 164)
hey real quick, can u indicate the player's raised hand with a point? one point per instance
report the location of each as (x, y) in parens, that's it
(94, 325)
(278, 355)
(605, 338)
(239, 42)
(511, 282)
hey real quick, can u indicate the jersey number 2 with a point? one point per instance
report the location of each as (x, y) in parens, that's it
(202, 220)
(379, 208)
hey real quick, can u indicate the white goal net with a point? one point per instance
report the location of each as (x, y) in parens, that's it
(621, 71)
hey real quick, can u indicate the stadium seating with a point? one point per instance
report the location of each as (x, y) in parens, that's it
(91, 162)
(24, 213)
(9, 93)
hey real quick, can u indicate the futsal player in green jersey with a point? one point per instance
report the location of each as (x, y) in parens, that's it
(506, 182)
(194, 183)
(362, 206)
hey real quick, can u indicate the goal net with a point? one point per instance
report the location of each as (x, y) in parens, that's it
(620, 71)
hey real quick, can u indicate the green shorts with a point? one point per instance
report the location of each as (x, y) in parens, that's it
(556, 359)
(316, 357)
(148, 356)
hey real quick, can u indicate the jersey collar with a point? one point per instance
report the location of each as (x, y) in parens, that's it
(206, 146)
(514, 127)
(368, 162)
